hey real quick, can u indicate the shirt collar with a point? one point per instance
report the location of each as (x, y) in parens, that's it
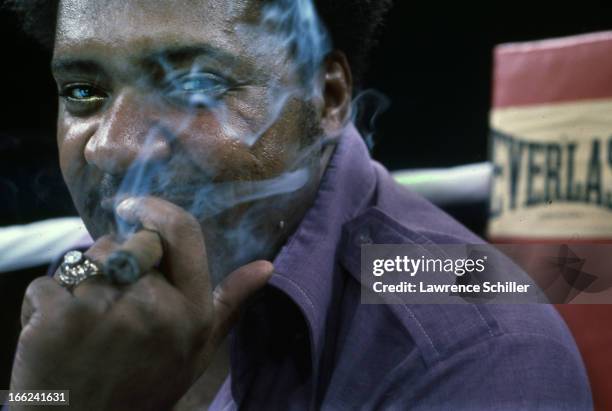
(305, 266)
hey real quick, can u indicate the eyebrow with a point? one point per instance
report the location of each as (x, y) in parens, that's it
(178, 54)
(172, 55)
(67, 64)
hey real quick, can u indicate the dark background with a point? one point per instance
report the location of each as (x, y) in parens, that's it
(434, 63)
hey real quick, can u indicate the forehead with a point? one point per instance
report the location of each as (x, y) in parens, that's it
(141, 24)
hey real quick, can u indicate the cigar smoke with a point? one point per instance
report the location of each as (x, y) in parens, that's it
(367, 107)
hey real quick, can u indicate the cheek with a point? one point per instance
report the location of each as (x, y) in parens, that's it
(230, 158)
(72, 136)
(220, 144)
(290, 140)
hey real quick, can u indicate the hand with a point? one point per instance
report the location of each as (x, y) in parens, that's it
(138, 347)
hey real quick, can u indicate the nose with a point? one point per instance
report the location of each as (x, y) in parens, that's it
(129, 130)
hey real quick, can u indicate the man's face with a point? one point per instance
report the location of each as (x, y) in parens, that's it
(197, 91)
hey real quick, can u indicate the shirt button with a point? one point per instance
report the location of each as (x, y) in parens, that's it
(364, 237)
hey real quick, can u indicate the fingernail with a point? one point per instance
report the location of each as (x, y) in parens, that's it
(126, 208)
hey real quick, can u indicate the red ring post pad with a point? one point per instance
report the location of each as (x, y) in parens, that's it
(553, 71)
(551, 140)
(551, 146)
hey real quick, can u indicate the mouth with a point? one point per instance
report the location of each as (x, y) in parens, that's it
(104, 194)
(99, 206)
(107, 204)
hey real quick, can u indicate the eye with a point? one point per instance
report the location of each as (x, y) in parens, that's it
(82, 93)
(82, 99)
(197, 89)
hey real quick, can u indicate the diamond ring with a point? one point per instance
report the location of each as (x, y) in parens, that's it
(75, 268)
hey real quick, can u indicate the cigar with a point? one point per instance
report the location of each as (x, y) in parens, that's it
(137, 255)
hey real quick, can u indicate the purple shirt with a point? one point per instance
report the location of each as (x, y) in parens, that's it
(308, 343)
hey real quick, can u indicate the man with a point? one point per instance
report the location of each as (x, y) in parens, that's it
(220, 133)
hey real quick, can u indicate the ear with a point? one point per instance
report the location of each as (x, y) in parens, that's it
(337, 93)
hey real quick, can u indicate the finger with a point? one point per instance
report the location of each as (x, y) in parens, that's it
(154, 291)
(102, 248)
(97, 290)
(154, 308)
(230, 295)
(42, 295)
(183, 244)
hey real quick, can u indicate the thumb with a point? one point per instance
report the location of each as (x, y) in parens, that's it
(230, 295)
